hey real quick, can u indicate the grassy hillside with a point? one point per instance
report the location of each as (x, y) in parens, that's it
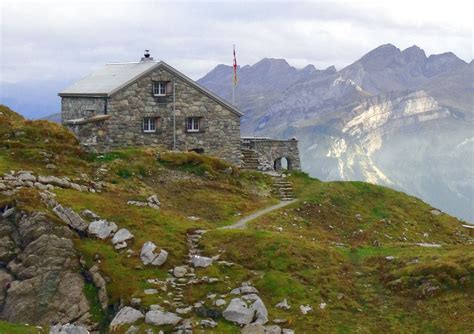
(355, 252)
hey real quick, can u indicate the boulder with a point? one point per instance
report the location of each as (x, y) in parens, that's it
(148, 255)
(26, 176)
(127, 315)
(102, 229)
(261, 313)
(201, 261)
(68, 329)
(53, 180)
(253, 329)
(159, 318)
(122, 235)
(71, 218)
(238, 312)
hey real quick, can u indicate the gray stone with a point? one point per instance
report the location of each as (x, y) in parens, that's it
(126, 315)
(179, 271)
(305, 309)
(89, 215)
(283, 305)
(220, 302)
(148, 255)
(101, 229)
(272, 329)
(261, 313)
(122, 235)
(287, 331)
(253, 329)
(238, 312)
(101, 286)
(71, 218)
(68, 329)
(132, 330)
(208, 323)
(150, 291)
(201, 261)
(159, 318)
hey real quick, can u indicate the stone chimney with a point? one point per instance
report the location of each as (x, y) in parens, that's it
(146, 56)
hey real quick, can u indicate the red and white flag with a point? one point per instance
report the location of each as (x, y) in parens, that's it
(235, 69)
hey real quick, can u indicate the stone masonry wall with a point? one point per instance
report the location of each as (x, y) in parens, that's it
(271, 151)
(77, 107)
(219, 133)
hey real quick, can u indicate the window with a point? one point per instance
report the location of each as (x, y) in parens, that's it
(149, 124)
(159, 88)
(192, 124)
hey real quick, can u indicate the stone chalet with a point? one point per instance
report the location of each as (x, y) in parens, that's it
(149, 103)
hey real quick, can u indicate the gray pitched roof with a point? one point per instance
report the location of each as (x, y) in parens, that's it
(115, 76)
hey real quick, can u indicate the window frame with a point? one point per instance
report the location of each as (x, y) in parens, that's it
(159, 88)
(147, 122)
(193, 121)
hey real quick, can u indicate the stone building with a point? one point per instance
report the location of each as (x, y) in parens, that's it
(150, 103)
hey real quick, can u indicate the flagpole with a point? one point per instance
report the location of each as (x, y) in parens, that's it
(233, 93)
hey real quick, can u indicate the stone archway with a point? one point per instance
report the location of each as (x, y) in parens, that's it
(282, 163)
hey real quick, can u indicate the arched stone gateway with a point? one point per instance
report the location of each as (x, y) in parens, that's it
(270, 154)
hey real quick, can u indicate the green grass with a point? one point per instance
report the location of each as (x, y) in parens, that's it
(11, 328)
(329, 247)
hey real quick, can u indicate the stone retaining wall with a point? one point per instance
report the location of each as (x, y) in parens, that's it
(272, 151)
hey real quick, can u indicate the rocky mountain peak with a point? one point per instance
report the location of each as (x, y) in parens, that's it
(414, 54)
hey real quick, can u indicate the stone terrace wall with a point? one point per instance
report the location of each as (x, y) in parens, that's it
(273, 150)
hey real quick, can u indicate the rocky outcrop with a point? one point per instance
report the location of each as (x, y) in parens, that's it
(68, 329)
(101, 286)
(43, 284)
(159, 317)
(71, 218)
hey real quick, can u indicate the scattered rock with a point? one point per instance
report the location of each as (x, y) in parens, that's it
(121, 236)
(287, 331)
(89, 215)
(428, 245)
(127, 315)
(51, 166)
(279, 321)
(159, 318)
(253, 329)
(238, 312)
(390, 258)
(68, 329)
(101, 285)
(193, 218)
(150, 291)
(283, 305)
(148, 255)
(179, 271)
(201, 261)
(154, 202)
(272, 329)
(132, 330)
(102, 229)
(261, 313)
(71, 218)
(220, 302)
(322, 306)
(184, 310)
(135, 302)
(435, 212)
(208, 323)
(121, 245)
(305, 309)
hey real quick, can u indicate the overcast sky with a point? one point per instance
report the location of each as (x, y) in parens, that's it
(55, 42)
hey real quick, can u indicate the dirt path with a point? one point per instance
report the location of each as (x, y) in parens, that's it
(243, 222)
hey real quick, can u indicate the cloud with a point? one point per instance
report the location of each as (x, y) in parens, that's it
(64, 40)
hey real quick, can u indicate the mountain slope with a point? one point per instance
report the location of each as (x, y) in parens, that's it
(358, 255)
(390, 108)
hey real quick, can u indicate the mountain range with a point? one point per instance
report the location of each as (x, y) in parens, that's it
(396, 118)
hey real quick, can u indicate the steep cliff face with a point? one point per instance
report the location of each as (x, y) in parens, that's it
(393, 117)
